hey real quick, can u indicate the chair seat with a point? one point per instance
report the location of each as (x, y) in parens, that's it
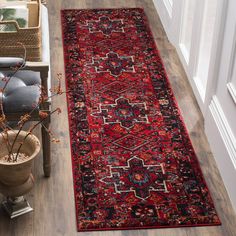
(22, 92)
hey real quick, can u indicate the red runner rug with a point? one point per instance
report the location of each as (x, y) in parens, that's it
(133, 163)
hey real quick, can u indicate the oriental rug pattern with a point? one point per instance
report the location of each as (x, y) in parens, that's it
(133, 162)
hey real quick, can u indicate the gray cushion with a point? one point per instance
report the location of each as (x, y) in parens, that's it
(22, 91)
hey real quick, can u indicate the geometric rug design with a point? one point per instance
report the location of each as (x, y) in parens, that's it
(134, 166)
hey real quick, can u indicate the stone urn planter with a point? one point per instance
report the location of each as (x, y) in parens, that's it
(16, 178)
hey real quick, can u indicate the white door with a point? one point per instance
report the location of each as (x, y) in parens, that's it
(220, 119)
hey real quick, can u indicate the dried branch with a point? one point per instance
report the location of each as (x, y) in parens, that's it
(56, 90)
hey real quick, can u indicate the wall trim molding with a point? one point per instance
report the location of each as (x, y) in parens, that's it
(197, 90)
(170, 13)
(224, 129)
(200, 88)
(168, 4)
(164, 16)
(223, 146)
(232, 91)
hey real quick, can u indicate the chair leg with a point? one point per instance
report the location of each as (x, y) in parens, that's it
(46, 148)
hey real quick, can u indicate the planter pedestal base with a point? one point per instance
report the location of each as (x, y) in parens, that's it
(16, 206)
(16, 178)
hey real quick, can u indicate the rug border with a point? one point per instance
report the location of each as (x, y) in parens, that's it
(148, 227)
(68, 120)
(147, 25)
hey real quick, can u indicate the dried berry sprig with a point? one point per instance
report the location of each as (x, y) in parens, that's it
(43, 115)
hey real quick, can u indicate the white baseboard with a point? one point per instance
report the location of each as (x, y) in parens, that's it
(223, 146)
(168, 5)
(200, 89)
(197, 89)
(165, 16)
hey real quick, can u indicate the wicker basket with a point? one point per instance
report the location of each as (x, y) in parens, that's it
(30, 37)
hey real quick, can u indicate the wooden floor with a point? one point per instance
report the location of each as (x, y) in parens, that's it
(52, 198)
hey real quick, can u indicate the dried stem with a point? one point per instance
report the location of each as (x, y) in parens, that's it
(7, 145)
(30, 132)
(26, 117)
(29, 115)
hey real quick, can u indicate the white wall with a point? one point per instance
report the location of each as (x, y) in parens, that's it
(204, 34)
(220, 120)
